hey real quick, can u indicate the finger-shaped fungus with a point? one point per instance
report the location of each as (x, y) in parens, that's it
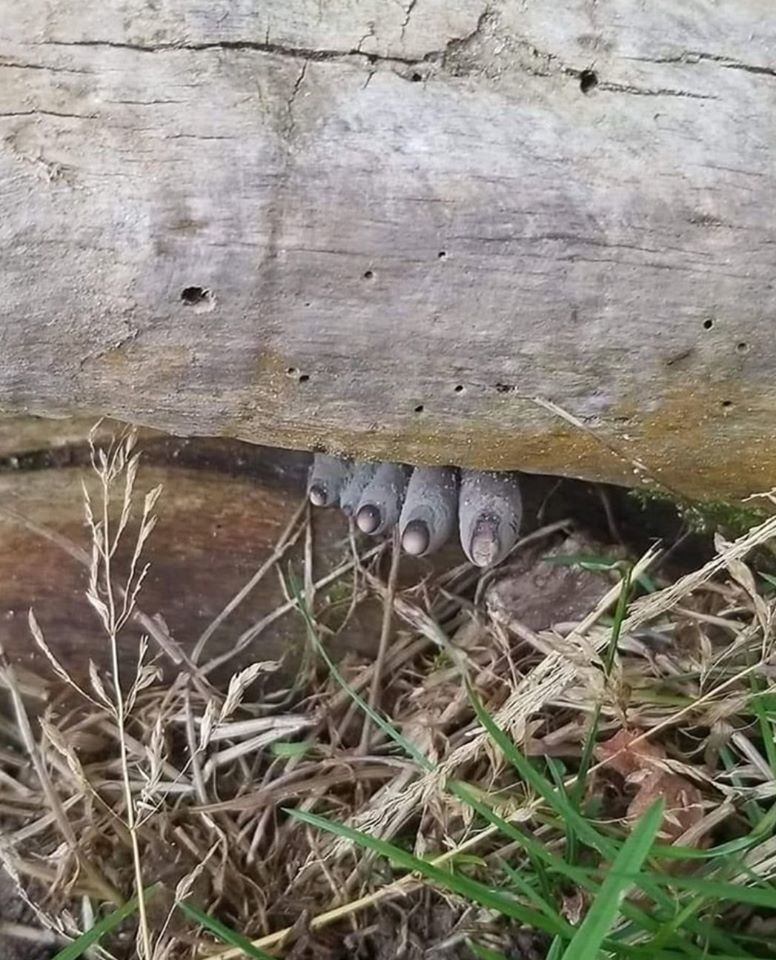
(357, 480)
(381, 501)
(430, 506)
(489, 513)
(327, 476)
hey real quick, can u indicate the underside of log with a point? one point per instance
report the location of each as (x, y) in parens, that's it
(504, 235)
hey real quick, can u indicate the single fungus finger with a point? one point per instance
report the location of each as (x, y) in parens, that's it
(430, 507)
(489, 512)
(327, 476)
(382, 498)
(358, 479)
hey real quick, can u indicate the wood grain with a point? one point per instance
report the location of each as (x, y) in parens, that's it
(223, 507)
(215, 529)
(400, 231)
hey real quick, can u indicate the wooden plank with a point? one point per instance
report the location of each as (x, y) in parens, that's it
(400, 233)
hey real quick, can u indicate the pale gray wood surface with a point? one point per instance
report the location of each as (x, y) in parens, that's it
(387, 202)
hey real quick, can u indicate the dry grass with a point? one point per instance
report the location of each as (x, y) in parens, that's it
(134, 780)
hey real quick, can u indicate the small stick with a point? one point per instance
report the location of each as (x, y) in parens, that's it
(385, 636)
(606, 501)
(287, 539)
(191, 740)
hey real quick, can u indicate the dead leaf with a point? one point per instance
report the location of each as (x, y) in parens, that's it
(619, 752)
(640, 763)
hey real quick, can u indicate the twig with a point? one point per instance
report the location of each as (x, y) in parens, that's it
(611, 522)
(261, 625)
(191, 740)
(285, 541)
(23, 931)
(385, 636)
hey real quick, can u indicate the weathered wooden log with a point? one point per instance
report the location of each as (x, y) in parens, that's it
(501, 235)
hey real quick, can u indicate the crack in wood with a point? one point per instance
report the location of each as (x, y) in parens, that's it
(693, 57)
(48, 113)
(296, 53)
(408, 13)
(290, 126)
(635, 91)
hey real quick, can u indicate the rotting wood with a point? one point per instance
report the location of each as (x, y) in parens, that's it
(215, 529)
(502, 235)
(223, 507)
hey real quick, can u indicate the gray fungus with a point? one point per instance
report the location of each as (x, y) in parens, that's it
(426, 503)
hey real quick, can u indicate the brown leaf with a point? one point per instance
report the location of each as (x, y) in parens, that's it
(683, 802)
(639, 763)
(620, 753)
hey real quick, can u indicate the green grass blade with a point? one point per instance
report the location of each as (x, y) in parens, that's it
(532, 847)
(733, 847)
(484, 953)
(387, 728)
(646, 583)
(669, 929)
(765, 827)
(554, 953)
(653, 884)
(558, 801)
(527, 891)
(221, 931)
(604, 910)
(768, 578)
(558, 773)
(93, 936)
(761, 896)
(591, 562)
(577, 793)
(577, 876)
(539, 868)
(470, 889)
(758, 705)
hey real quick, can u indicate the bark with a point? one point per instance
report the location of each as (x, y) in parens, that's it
(506, 235)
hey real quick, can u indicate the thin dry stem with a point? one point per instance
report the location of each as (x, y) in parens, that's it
(287, 539)
(385, 636)
(110, 467)
(100, 884)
